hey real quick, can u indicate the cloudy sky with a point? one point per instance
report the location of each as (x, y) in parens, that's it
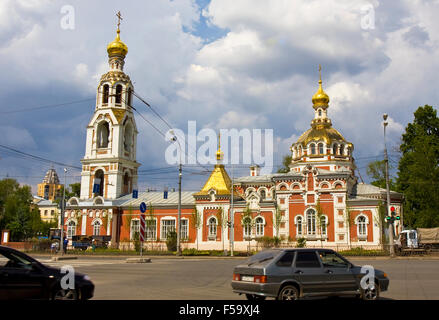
(222, 63)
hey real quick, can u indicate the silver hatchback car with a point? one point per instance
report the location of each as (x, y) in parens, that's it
(290, 274)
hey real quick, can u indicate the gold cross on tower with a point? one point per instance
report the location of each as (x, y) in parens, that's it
(320, 72)
(119, 17)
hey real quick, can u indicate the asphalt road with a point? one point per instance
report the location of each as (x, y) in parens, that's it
(209, 279)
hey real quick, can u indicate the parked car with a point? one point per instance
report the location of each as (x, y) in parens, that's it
(23, 277)
(291, 274)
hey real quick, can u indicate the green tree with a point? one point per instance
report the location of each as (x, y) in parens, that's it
(277, 220)
(418, 169)
(196, 222)
(75, 190)
(286, 161)
(247, 222)
(376, 170)
(222, 222)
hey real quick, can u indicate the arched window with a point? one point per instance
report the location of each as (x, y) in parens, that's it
(320, 112)
(105, 93)
(128, 137)
(311, 222)
(300, 151)
(119, 93)
(313, 149)
(323, 224)
(130, 95)
(103, 134)
(97, 228)
(99, 180)
(320, 148)
(247, 223)
(212, 227)
(71, 229)
(263, 195)
(334, 149)
(126, 183)
(341, 150)
(299, 225)
(361, 226)
(259, 227)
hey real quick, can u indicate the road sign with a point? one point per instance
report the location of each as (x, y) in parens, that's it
(143, 207)
(135, 194)
(142, 227)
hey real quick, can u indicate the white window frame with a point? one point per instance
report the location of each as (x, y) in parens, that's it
(212, 228)
(151, 230)
(167, 227)
(247, 229)
(362, 226)
(311, 222)
(95, 223)
(299, 225)
(324, 226)
(260, 226)
(184, 229)
(71, 229)
(134, 227)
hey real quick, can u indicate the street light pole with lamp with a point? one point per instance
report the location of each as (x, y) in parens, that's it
(386, 160)
(174, 138)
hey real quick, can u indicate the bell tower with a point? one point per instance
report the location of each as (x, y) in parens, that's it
(109, 166)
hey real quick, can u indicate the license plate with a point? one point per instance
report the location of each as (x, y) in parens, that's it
(247, 278)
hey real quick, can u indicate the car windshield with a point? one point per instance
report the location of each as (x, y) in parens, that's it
(263, 256)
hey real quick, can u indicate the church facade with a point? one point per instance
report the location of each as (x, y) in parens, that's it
(319, 199)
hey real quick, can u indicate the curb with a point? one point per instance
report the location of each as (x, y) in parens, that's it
(138, 260)
(63, 258)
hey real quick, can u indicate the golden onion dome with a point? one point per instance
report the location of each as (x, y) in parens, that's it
(321, 133)
(117, 47)
(320, 98)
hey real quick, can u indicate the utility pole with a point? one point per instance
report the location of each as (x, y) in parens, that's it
(63, 206)
(386, 160)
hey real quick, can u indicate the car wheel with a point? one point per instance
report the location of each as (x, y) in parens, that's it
(288, 293)
(371, 293)
(254, 297)
(65, 294)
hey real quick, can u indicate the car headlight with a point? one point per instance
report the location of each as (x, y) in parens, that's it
(87, 278)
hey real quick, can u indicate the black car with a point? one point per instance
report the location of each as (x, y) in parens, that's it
(23, 277)
(290, 274)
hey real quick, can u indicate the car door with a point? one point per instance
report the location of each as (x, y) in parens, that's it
(338, 273)
(308, 271)
(19, 280)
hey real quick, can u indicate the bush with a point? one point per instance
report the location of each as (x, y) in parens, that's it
(171, 241)
(268, 242)
(363, 252)
(301, 243)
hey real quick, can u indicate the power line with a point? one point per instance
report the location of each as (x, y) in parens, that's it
(46, 106)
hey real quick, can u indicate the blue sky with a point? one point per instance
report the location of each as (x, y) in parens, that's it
(225, 64)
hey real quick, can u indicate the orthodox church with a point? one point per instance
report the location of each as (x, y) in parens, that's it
(319, 199)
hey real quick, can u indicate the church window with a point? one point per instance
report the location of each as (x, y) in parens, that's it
(97, 228)
(323, 224)
(71, 229)
(299, 225)
(334, 149)
(99, 178)
(212, 227)
(313, 149)
(320, 148)
(247, 222)
(361, 226)
(342, 150)
(127, 137)
(102, 134)
(259, 227)
(311, 222)
(105, 93)
(119, 93)
(320, 112)
(263, 195)
(126, 183)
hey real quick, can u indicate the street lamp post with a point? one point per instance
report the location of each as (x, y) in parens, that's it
(174, 138)
(386, 161)
(63, 206)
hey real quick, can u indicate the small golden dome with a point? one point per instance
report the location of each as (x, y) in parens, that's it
(320, 98)
(117, 47)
